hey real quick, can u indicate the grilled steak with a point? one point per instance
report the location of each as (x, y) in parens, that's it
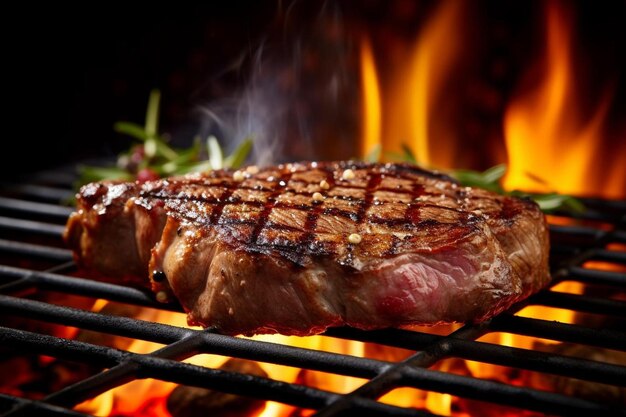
(298, 248)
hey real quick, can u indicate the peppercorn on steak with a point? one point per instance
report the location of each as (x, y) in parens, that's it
(298, 248)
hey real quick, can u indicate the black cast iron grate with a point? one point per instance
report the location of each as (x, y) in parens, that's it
(34, 261)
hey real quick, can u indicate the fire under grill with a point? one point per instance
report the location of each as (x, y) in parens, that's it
(37, 271)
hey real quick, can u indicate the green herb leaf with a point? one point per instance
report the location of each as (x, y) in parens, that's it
(491, 178)
(131, 129)
(191, 154)
(239, 155)
(203, 166)
(152, 113)
(150, 148)
(553, 201)
(574, 205)
(408, 154)
(158, 156)
(494, 174)
(395, 156)
(549, 201)
(478, 179)
(163, 149)
(374, 154)
(216, 157)
(90, 174)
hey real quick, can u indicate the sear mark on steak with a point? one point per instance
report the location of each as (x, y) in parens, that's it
(297, 248)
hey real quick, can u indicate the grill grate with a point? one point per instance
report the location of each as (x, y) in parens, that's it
(32, 218)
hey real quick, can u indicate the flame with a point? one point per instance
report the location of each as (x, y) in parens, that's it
(415, 91)
(553, 143)
(552, 148)
(143, 397)
(549, 147)
(100, 406)
(147, 397)
(371, 103)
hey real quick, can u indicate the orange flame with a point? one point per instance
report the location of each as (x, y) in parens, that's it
(144, 396)
(147, 397)
(549, 147)
(415, 91)
(372, 114)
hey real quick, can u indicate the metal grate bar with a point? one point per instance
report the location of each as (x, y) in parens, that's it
(457, 344)
(304, 358)
(211, 342)
(118, 325)
(610, 211)
(148, 366)
(30, 249)
(31, 226)
(609, 256)
(405, 374)
(595, 276)
(601, 204)
(23, 407)
(580, 303)
(59, 177)
(52, 194)
(606, 338)
(145, 366)
(33, 207)
(124, 372)
(500, 393)
(619, 236)
(572, 232)
(539, 361)
(602, 337)
(81, 286)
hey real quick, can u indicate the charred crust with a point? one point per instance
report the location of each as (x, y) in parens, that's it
(214, 202)
(513, 207)
(414, 169)
(393, 248)
(332, 211)
(427, 224)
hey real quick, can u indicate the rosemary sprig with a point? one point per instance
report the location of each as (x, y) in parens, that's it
(491, 179)
(151, 157)
(553, 201)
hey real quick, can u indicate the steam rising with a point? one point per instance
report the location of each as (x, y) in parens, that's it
(296, 103)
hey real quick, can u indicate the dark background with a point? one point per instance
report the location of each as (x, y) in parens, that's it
(75, 70)
(71, 72)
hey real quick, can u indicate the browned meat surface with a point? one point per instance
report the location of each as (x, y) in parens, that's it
(297, 248)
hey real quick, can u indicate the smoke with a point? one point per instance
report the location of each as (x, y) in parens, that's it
(297, 93)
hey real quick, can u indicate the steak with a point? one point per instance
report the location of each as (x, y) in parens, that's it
(298, 248)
